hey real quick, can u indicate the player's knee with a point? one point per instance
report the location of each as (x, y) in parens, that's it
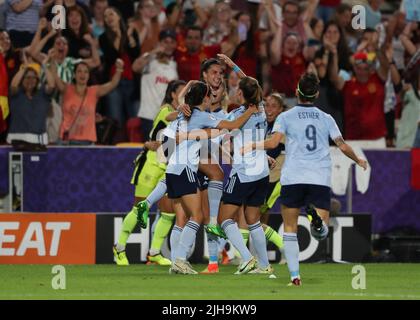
(216, 175)
(197, 217)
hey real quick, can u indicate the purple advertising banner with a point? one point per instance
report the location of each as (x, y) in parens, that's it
(97, 179)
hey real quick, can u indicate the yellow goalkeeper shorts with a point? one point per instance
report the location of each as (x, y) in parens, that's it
(272, 198)
(147, 173)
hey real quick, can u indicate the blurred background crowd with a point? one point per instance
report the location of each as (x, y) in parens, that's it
(102, 79)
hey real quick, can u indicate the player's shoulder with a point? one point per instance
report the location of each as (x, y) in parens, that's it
(323, 114)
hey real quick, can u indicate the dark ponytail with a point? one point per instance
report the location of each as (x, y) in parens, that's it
(172, 87)
(196, 94)
(251, 90)
(308, 87)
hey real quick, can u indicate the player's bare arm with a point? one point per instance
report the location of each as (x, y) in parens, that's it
(349, 152)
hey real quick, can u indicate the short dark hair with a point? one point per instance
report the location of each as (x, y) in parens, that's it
(196, 94)
(343, 7)
(308, 87)
(195, 28)
(291, 3)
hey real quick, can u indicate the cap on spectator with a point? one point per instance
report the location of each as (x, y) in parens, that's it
(167, 33)
(360, 58)
(34, 66)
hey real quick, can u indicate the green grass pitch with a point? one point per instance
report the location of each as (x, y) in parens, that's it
(320, 281)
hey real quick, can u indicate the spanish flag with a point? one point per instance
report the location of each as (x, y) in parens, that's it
(4, 104)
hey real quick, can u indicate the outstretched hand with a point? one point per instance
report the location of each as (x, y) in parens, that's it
(185, 110)
(362, 163)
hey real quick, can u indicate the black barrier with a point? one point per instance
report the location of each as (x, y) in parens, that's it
(349, 240)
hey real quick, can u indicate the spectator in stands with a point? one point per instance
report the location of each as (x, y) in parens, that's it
(22, 20)
(364, 97)
(77, 33)
(326, 9)
(4, 92)
(408, 38)
(60, 52)
(294, 20)
(288, 64)
(46, 10)
(118, 42)
(218, 27)
(161, 13)
(247, 52)
(147, 25)
(189, 58)
(181, 18)
(125, 7)
(29, 104)
(98, 23)
(373, 13)
(79, 104)
(158, 68)
(315, 32)
(64, 63)
(343, 17)
(330, 100)
(10, 54)
(408, 134)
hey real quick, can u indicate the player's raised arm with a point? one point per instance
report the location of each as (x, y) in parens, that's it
(232, 65)
(349, 152)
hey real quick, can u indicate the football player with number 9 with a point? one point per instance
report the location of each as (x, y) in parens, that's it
(306, 173)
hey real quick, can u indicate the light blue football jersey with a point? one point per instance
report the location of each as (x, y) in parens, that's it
(253, 165)
(307, 130)
(187, 153)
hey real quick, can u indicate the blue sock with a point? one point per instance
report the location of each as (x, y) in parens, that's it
(157, 193)
(174, 240)
(215, 192)
(321, 234)
(260, 244)
(186, 240)
(213, 248)
(291, 251)
(232, 231)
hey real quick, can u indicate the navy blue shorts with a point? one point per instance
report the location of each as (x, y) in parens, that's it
(250, 194)
(203, 181)
(300, 195)
(181, 185)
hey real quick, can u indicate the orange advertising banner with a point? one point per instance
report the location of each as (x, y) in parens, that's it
(47, 238)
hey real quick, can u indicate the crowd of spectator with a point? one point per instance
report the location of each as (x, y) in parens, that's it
(115, 58)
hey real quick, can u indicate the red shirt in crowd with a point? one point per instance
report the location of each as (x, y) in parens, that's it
(127, 71)
(247, 60)
(189, 64)
(285, 76)
(330, 3)
(364, 109)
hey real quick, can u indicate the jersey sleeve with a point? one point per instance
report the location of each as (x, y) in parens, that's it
(280, 124)
(333, 130)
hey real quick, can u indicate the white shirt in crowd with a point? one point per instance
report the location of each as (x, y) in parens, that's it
(154, 81)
